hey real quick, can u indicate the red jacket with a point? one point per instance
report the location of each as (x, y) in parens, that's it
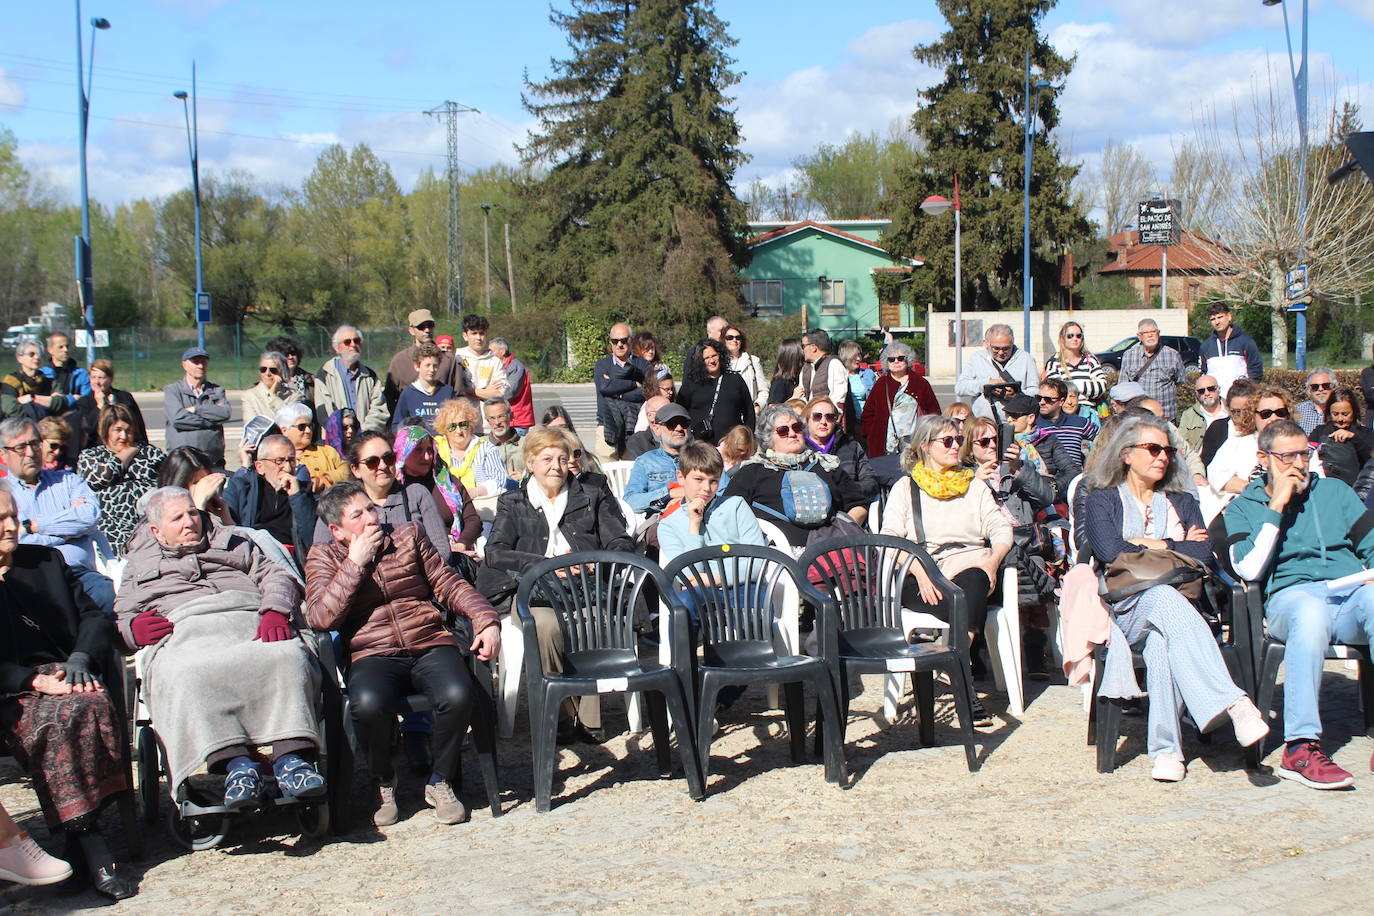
(878, 408)
(522, 398)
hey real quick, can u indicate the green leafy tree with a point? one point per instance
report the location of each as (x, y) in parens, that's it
(856, 179)
(636, 211)
(972, 122)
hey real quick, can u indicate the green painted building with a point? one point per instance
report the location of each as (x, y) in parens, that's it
(821, 274)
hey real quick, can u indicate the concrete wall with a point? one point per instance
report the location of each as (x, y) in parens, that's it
(1102, 328)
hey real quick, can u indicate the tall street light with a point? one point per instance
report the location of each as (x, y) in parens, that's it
(1029, 135)
(935, 205)
(193, 148)
(85, 280)
(1299, 74)
(486, 254)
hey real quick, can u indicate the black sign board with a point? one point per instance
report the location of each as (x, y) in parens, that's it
(1157, 221)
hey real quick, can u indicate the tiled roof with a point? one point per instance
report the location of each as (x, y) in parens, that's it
(784, 231)
(1196, 252)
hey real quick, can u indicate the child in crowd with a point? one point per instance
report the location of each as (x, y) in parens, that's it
(422, 397)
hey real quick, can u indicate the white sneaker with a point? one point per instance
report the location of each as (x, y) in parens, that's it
(1168, 769)
(25, 862)
(1247, 721)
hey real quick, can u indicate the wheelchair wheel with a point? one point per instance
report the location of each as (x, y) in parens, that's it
(196, 833)
(148, 771)
(313, 820)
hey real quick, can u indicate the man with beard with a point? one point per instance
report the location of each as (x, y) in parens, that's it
(345, 382)
(1193, 422)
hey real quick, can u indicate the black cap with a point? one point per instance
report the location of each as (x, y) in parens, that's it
(1020, 405)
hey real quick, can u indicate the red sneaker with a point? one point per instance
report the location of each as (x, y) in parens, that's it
(1308, 764)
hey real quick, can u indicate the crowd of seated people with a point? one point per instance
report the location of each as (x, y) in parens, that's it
(369, 522)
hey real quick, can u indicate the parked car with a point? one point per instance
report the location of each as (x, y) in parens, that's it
(17, 332)
(1190, 348)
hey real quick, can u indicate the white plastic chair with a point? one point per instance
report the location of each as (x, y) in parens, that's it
(776, 539)
(617, 475)
(875, 516)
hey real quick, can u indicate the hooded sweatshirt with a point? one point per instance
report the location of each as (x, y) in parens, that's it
(1323, 534)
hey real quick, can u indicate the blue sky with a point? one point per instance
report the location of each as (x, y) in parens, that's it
(278, 81)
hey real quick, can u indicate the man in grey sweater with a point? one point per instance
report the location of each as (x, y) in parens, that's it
(196, 408)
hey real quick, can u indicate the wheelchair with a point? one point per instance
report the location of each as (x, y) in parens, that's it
(196, 816)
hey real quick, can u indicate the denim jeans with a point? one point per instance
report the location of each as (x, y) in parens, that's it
(1308, 619)
(97, 587)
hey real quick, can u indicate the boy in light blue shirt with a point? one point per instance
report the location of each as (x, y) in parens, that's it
(697, 519)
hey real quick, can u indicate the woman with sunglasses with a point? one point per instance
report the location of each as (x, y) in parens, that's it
(340, 429)
(960, 525)
(1073, 363)
(323, 461)
(715, 396)
(549, 515)
(749, 366)
(372, 461)
(273, 391)
(467, 455)
(782, 448)
(824, 436)
(1344, 443)
(1137, 499)
(121, 470)
(1234, 464)
(417, 463)
(898, 397)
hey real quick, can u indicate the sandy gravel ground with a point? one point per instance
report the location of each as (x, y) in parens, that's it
(1035, 830)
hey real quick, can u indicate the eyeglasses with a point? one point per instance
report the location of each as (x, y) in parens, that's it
(1319, 386)
(577, 454)
(732, 337)
(1155, 449)
(268, 370)
(818, 416)
(985, 441)
(425, 326)
(1072, 336)
(676, 423)
(461, 424)
(1292, 458)
(1207, 390)
(896, 359)
(1047, 399)
(285, 461)
(950, 441)
(372, 461)
(957, 421)
(794, 429)
(351, 342)
(617, 341)
(1006, 349)
(32, 445)
(1266, 413)
(301, 427)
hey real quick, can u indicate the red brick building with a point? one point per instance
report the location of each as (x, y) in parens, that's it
(1196, 266)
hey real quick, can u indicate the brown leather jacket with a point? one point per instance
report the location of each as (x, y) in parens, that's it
(385, 608)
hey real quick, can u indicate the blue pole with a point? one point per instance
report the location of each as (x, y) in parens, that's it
(195, 182)
(1025, 219)
(1300, 92)
(83, 267)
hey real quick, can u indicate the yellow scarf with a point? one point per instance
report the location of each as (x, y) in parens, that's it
(463, 471)
(942, 484)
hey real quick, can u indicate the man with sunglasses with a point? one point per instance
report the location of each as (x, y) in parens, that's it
(345, 382)
(196, 408)
(999, 371)
(1229, 353)
(1070, 430)
(400, 372)
(1156, 368)
(618, 376)
(1320, 384)
(1294, 533)
(1208, 408)
(655, 473)
(275, 495)
(645, 441)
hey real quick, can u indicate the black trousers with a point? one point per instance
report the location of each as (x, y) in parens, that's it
(973, 581)
(378, 686)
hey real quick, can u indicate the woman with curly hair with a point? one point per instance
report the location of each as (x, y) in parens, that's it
(714, 395)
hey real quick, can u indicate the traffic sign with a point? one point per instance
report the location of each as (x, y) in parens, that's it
(202, 308)
(1296, 289)
(1157, 220)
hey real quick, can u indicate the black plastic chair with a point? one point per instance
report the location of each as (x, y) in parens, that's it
(594, 599)
(734, 589)
(860, 631)
(341, 743)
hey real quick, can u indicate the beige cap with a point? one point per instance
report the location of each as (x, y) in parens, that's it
(419, 317)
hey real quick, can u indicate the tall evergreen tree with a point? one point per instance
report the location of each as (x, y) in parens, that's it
(972, 123)
(640, 147)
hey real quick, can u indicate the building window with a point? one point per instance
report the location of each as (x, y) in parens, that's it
(1194, 293)
(1152, 294)
(764, 296)
(832, 297)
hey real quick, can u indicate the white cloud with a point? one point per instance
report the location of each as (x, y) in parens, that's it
(1189, 23)
(1362, 8)
(11, 93)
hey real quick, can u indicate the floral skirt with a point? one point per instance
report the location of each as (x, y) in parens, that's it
(71, 746)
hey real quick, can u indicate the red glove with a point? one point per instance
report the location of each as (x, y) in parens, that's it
(149, 628)
(273, 627)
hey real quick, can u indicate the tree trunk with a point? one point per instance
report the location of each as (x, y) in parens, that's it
(1278, 317)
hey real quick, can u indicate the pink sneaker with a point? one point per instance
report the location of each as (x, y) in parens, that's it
(1308, 764)
(24, 862)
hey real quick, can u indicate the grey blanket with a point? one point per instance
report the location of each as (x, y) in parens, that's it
(210, 685)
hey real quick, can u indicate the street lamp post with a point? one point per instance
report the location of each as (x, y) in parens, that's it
(84, 278)
(193, 148)
(1028, 134)
(934, 205)
(486, 254)
(1299, 74)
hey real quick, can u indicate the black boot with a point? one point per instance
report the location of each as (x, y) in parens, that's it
(88, 853)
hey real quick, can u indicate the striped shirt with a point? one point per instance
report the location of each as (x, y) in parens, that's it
(1070, 430)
